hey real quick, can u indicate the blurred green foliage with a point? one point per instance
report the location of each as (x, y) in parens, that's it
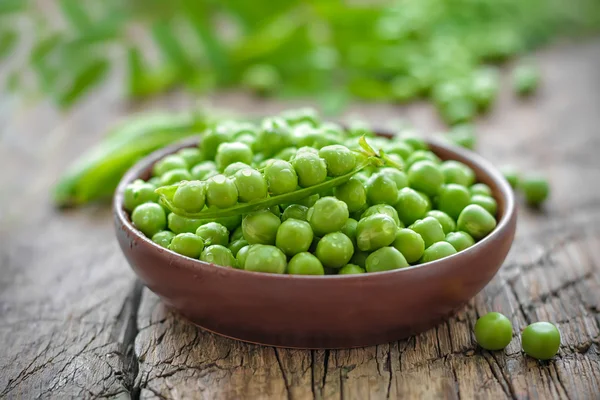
(331, 50)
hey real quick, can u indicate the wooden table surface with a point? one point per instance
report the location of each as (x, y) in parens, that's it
(75, 323)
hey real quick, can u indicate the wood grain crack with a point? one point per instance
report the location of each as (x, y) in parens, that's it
(283, 373)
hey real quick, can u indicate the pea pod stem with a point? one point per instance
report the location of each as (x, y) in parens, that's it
(245, 208)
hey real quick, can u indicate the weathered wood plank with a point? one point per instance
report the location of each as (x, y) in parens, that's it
(74, 324)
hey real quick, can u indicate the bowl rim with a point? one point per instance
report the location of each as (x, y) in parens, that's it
(192, 264)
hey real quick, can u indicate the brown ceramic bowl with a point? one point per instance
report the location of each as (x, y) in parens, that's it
(337, 311)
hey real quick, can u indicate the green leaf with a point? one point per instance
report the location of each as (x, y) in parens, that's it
(75, 14)
(198, 15)
(89, 75)
(13, 81)
(44, 47)
(12, 6)
(170, 46)
(8, 40)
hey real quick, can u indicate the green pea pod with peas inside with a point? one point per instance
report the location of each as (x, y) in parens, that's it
(96, 174)
(368, 156)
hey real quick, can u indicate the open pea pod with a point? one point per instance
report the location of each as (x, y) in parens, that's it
(370, 158)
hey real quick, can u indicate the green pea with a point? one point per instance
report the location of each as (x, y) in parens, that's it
(265, 258)
(263, 79)
(375, 231)
(327, 215)
(191, 155)
(294, 236)
(228, 153)
(427, 200)
(493, 331)
(275, 135)
(448, 224)
(484, 87)
(334, 250)
(231, 223)
(436, 251)
(180, 224)
(385, 259)
(460, 240)
(382, 189)
(430, 230)
(174, 176)
(359, 258)
(235, 246)
(218, 255)
(233, 168)
(463, 135)
(137, 193)
(383, 209)
(281, 177)
(422, 155)
(307, 149)
(398, 176)
(221, 192)
(535, 188)
(163, 238)
(458, 173)
(168, 163)
(310, 168)
(410, 244)
(362, 177)
(286, 154)
(305, 264)
(295, 211)
(187, 244)
(309, 201)
(260, 227)
(236, 234)
(541, 340)
(353, 193)
(426, 177)
(154, 181)
(349, 229)
(411, 206)
(480, 188)
(486, 202)
(306, 115)
(340, 159)
(459, 110)
(511, 174)
(351, 269)
(150, 218)
(190, 196)
(204, 171)
(212, 139)
(476, 221)
(250, 184)
(241, 255)
(400, 148)
(246, 138)
(525, 79)
(453, 199)
(413, 139)
(213, 233)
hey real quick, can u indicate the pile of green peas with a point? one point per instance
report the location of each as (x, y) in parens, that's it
(414, 210)
(540, 340)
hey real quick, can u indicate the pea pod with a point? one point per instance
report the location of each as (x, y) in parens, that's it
(96, 173)
(371, 158)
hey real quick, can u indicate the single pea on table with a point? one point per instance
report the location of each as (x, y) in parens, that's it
(296, 195)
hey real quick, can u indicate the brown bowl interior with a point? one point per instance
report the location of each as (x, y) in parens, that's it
(337, 311)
